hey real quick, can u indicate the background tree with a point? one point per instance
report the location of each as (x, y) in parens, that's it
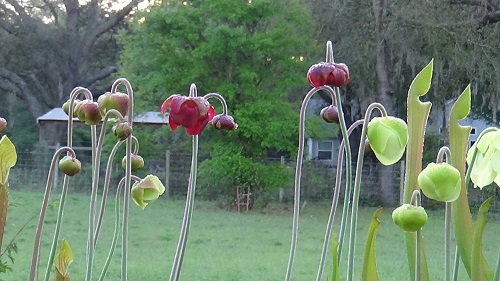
(50, 47)
(255, 53)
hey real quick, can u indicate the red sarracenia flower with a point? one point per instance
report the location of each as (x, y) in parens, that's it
(193, 113)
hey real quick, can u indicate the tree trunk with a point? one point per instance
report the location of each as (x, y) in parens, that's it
(387, 183)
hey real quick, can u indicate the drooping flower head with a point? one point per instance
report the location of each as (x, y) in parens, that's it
(388, 137)
(328, 73)
(440, 182)
(147, 190)
(193, 113)
(486, 169)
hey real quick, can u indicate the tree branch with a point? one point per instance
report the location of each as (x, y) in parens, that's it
(490, 7)
(19, 9)
(101, 74)
(38, 86)
(53, 11)
(11, 82)
(93, 34)
(490, 18)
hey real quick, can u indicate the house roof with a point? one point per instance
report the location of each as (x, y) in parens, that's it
(58, 115)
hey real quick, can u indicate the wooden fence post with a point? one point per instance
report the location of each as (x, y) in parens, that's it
(282, 190)
(167, 173)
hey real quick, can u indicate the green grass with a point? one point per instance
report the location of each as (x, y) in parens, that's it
(222, 245)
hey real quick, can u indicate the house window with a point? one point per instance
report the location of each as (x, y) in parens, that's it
(325, 150)
(473, 131)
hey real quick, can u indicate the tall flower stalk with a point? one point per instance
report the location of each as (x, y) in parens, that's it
(94, 114)
(193, 113)
(318, 76)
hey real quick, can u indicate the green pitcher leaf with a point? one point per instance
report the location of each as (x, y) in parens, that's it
(417, 115)
(477, 266)
(62, 261)
(461, 107)
(8, 158)
(335, 257)
(370, 272)
(461, 215)
(422, 82)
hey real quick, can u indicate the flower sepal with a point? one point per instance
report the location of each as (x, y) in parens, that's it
(147, 190)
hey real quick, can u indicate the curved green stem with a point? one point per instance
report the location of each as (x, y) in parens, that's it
(93, 197)
(115, 231)
(357, 188)
(35, 258)
(188, 209)
(128, 173)
(456, 264)
(416, 201)
(105, 188)
(447, 220)
(298, 173)
(220, 98)
(333, 209)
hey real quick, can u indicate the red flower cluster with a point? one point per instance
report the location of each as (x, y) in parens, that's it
(193, 113)
(328, 73)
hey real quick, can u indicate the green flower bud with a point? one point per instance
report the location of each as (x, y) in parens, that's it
(137, 162)
(486, 169)
(409, 218)
(440, 182)
(88, 111)
(118, 101)
(70, 166)
(122, 130)
(388, 137)
(65, 106)
(147, 190)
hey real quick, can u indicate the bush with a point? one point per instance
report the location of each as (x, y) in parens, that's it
(219, 176)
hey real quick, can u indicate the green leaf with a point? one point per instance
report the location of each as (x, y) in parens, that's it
(422, 82)
(370, 272)
(461, 107)
(62, 261)
(417, 115)
(461, 215)
(8, 158)
(477, 266)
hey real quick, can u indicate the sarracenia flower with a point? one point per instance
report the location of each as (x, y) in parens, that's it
(486, 169)
(147, 191)
(409, 218)
(388, 137)
(440, 182)
(193, 113)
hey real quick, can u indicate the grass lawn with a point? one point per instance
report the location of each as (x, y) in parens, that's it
(223, 245)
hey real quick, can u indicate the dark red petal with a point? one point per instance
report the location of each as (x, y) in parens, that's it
(202, 123)
(318, 74)
(165, 105)
(211, 113)
(171, 123)
(202, 104)
(197, 129)
(187, 115)
(176, 104)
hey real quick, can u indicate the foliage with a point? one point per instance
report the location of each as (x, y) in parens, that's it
(252, 53)
(50, 47)
(228, 168)
(433, 141)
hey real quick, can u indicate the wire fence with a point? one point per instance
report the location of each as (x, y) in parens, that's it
(317, 181)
